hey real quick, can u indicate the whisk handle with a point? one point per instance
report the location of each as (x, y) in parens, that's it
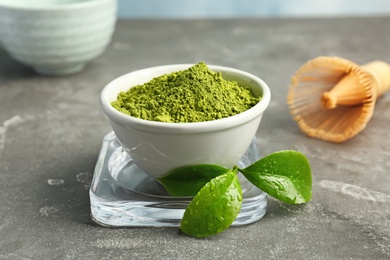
(380, 70)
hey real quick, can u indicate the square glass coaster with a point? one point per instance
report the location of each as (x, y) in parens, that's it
(122, 195)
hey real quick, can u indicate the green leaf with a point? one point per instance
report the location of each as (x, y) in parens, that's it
(284, 175)
(215, 207)
(188, 180)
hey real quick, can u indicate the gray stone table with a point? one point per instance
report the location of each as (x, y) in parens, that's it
(51, 129)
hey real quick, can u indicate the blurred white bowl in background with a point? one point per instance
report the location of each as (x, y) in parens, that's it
(56, 37)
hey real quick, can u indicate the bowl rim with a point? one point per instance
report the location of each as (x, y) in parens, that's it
(53, 7)
(189, 127)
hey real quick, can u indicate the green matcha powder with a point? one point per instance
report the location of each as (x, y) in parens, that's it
(193, 95)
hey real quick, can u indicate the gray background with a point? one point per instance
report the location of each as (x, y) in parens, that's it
(51, 128)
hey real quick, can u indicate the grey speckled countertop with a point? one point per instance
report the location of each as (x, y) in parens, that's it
(51, 128)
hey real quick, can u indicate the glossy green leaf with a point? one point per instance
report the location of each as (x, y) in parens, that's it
(215, 207)
(188, 180)
(284, 175)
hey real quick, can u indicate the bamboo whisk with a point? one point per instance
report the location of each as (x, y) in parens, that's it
(333, 98)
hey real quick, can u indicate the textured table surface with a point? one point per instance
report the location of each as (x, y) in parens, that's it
(51, 129)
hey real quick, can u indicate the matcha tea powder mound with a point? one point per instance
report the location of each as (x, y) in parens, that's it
(193, 95)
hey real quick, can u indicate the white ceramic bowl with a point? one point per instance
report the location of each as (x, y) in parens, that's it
(56, 37)
(158, 147)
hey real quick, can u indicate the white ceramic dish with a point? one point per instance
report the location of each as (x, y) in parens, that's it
(56, 37)
(158, 147)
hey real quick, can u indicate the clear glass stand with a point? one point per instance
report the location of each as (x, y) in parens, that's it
(123, 196)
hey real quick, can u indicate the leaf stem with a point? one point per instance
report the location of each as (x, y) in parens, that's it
(235, 169)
